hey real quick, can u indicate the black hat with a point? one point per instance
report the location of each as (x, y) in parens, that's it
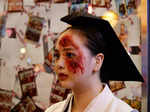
(117, 65)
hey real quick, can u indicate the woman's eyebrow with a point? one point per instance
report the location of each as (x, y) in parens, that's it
(68, 49)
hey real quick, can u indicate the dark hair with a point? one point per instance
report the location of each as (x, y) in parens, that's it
(94, 39)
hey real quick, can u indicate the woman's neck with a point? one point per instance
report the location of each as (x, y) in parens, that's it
(85, 94)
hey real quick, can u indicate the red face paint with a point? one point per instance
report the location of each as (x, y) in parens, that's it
(67, 41)
(75, 64)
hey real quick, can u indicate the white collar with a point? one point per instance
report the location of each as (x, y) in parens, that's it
(100, 102)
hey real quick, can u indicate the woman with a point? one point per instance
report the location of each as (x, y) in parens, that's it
(83, 52)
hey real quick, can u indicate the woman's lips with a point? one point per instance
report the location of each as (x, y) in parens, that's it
(62, 76)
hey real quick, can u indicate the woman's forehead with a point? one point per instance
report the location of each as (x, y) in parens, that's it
(69, 38)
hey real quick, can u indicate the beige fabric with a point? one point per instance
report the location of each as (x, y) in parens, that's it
(104, 102)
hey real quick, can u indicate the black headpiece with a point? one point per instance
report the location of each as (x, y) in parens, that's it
(117, 63)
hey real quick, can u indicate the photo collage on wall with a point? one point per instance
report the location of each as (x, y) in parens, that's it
(15, 5)
(5, 100)
(34, 29)
(33, 33)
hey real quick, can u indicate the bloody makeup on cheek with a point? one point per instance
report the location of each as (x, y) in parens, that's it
(74, 65)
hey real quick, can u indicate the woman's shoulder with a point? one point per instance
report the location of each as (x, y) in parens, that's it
(56, 107)
(60, 106)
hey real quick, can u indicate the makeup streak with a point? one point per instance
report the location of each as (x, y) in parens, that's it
(75, 64)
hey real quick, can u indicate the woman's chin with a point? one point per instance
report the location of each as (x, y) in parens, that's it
(65, 84)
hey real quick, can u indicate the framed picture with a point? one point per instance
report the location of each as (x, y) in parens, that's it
(2, 25)
(15, 5)
(34, 29)
(27, 82)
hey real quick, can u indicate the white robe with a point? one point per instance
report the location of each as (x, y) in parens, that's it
(104, 102)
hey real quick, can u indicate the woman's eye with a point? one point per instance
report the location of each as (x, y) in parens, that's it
(70, 55)
(56, 55)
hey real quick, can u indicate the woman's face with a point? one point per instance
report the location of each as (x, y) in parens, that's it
(73, 60)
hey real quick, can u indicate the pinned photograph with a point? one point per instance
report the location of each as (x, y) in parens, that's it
(25, 105)
(83, 7)
(11, 32)
(121, 7)
(131, 6)
(79, 1)
(37, 1)
(135, 102)
(5, 100)
(116, 85)
(2, 25)
(135, 50)
(29, 89)
(101, 3)
(60, 1)
(58, 93)
(26, 76)
(27, 82)
(34, 29)
(5, 96)
(98, 3)
(15, 5)
(123, 35)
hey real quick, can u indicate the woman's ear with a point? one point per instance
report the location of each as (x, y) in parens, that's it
(99, 61)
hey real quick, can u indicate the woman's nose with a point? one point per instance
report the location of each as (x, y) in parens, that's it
(60, 63)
